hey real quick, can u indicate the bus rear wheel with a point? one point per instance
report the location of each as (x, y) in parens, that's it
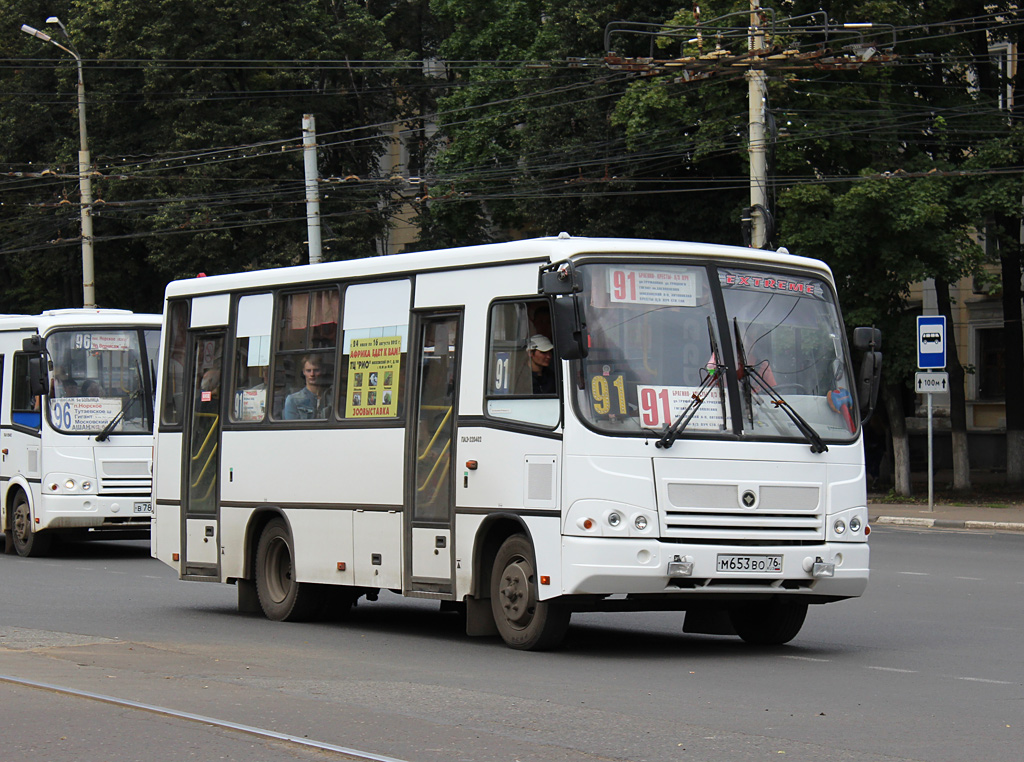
(281, 596)
(27, 543)
(523, 621)
(768, 624)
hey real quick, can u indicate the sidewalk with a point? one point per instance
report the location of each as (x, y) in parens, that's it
(1007, 517)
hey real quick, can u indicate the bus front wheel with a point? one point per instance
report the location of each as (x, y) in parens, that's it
(27, 543)
(768, 624)
(281, 596)
(523, 621)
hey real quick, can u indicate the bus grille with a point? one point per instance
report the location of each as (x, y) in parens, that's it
(126, 485)
(125, 477)
(714, 513)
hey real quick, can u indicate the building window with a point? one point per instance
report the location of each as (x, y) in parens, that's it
(1002, 59)
(991, 364)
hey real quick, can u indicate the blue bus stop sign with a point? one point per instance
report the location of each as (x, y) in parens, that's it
(931, 341)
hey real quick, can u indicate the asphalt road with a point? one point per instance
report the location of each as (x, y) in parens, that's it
(926, 666)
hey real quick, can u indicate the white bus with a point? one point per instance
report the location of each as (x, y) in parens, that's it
(400, 423)
(76, 425)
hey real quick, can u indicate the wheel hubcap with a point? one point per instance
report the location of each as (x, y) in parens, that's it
(21, 523)
(515, 591)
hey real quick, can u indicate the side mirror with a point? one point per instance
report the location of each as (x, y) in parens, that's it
(33, 344)
(570, 328)
(869, 376)
(559, 279)
(867, 338)
(38, 383)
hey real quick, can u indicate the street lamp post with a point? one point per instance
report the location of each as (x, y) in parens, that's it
(84, 164)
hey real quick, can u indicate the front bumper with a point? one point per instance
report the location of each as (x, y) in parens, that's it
(86, 511)
(613, 566)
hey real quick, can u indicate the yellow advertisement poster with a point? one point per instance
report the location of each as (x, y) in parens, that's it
(373, 366)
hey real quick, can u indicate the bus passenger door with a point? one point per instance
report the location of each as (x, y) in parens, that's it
(201, 490)
(429, 483)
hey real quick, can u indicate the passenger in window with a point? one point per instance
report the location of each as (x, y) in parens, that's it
(64, 387)
(539, 349)
(93, 389)
(314, 399)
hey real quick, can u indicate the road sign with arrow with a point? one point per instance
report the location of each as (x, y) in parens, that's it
(934, 382)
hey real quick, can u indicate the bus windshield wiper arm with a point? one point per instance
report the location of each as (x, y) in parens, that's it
(712, 380)
(751, 371)
(105, 434)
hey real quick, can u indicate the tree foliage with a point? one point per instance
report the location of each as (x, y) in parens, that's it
(194, 115)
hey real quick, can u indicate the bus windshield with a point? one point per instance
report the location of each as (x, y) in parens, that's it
(99, 374)
(657, 355)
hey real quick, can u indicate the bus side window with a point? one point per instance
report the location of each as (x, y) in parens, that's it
(174, 368)
(374, 351)
(25, 408)
(305, 355)
(522, 370)
(250, 377)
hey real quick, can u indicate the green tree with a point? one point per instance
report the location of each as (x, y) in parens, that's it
(194, 119)
(535, 143)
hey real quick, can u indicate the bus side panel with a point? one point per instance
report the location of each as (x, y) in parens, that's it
(165, 534)
(233, 525)
(377, 536)
(322, 467)
(500, 480)
(545, 532)
(467, 526)
(166, 525)
(518, 473)
(323, 541)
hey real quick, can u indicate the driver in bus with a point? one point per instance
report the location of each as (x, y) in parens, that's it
(539, 350)
(314, 399)
(64, 387)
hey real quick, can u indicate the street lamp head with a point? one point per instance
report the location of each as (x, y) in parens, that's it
(35, 33)
(58, 22)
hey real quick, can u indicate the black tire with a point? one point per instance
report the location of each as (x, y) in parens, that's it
(281, 597)
(768, 624)
(27, 543)
(523, 622)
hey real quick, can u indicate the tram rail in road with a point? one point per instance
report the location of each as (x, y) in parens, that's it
(355, 755)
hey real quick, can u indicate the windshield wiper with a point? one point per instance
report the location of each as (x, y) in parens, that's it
(105, 433)
(748, 371)
(715, 372)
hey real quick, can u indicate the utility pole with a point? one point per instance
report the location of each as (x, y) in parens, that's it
(84, 165)
(756, 146)
(312, 188)
(756, 48)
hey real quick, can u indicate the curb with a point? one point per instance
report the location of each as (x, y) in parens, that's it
(1003, 526)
